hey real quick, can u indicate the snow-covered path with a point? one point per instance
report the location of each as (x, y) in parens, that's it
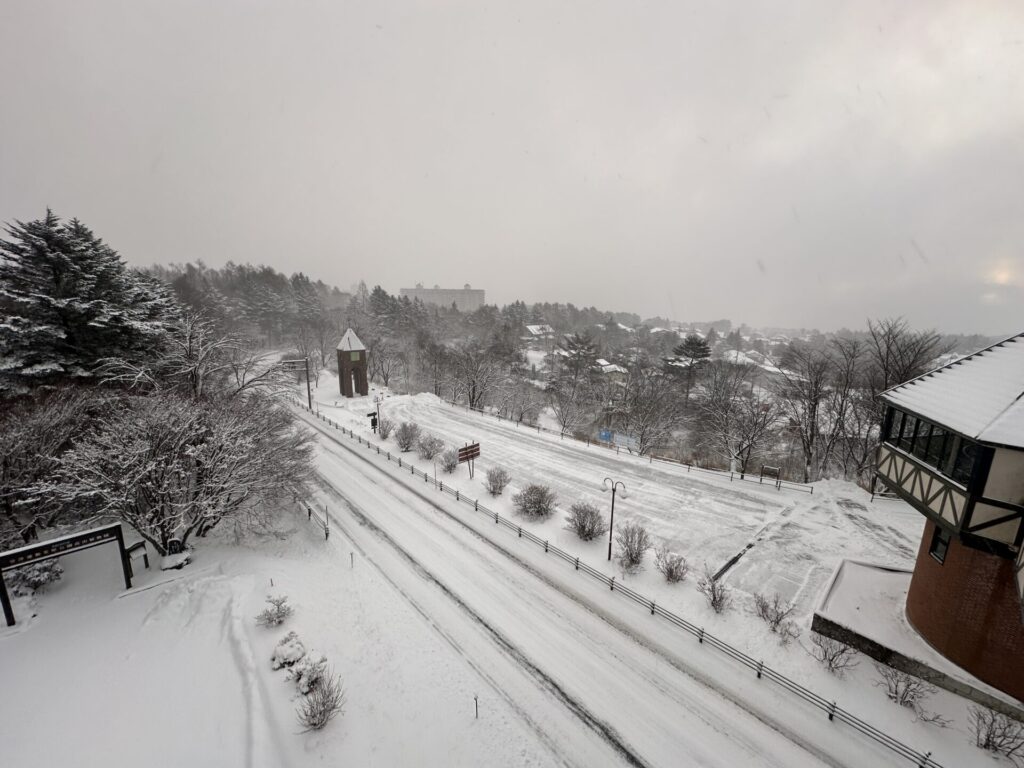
(600, 692)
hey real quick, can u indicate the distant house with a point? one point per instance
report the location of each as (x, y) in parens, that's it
(613, 371)
(540, 331)
(953, 448)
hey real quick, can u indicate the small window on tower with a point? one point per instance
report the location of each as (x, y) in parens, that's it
(354, 357)
(940, 544)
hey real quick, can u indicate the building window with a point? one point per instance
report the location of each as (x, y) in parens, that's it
(354, 357)
(940, 544)
(950, 454)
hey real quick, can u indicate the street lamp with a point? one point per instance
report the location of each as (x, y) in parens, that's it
(611, 525)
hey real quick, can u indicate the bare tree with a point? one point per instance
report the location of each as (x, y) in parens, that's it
(997, 733)
(477, 372)
(172, 467)
(570, 402)
(651, 411)
(737, 418)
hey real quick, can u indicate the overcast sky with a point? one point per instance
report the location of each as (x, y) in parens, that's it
(796, 164)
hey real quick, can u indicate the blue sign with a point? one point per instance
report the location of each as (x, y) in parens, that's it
(605, 435)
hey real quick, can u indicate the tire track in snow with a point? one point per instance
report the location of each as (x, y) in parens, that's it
(605, 731)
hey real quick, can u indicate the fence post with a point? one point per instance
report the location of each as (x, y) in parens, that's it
(457, 496)
(441, 486)
(495, 518)
(831, 710)
(925, 760)
(476, 505)
(520, 531)
(700, 637)
(545, 546)
(577, 563)
(760, 668)
(612, 584)
(652, 607)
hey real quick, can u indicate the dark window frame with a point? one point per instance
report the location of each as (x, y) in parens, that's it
(916, 441)
(939, 546)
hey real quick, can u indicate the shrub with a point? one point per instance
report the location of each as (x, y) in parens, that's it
(450, 460)
(673, 567)
(718, 595)
(406, 435)
(534, 501)
(997, 732)
(275, 615)
(308, 673)
(837, 657)
(788, 632)
(633, 541)
(289, 651)
(906, 690)
(385, 426)
(27, 579)
(585, 521)
(428, 446)
(323, 703)
(773, 611)
(497, 479)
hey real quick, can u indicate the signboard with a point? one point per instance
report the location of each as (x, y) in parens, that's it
(63, 545)
(469, 452)
(605, 435)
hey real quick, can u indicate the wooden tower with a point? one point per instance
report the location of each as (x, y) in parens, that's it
(953, 448)
(352, 365)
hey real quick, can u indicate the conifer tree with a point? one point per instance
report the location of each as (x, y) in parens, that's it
(68, 301)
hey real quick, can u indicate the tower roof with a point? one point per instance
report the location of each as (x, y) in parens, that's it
(350, 342)
(980, 396)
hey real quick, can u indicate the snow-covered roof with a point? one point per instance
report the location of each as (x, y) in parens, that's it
(980, 396)
(540, 330)
(350, 342)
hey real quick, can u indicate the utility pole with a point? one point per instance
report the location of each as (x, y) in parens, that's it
(309, 391)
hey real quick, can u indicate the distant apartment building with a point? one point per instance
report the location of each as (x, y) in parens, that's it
(465, 299)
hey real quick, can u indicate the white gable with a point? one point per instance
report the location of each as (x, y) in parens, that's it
(980, 396)
(350, 342)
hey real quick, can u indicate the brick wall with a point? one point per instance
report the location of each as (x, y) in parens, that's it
(967, 608)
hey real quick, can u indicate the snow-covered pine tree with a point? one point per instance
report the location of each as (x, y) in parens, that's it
(70, 301)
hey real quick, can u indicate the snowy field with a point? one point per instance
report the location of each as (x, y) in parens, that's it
(420, 606)
(797, 541)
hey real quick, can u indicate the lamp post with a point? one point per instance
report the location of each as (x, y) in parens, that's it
(611, 525)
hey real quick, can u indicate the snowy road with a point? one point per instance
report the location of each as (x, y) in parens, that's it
(593, 689)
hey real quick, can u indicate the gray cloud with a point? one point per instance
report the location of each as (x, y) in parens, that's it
(795, 164)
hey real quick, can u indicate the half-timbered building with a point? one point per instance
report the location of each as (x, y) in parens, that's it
(953, 447)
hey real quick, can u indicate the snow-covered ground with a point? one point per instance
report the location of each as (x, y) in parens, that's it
(176, 673)
(798, 539)
(421, 605)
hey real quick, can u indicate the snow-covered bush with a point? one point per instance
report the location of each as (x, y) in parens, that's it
(450, 460)
(905, 689)
(788, 632)
(715, 591)
(289, 651)
(633, 542)
(836, 656)
(323, 703)
(385, 426)
(428, 446)
(774, 611)
(276, 613)
(534, 501)
(308, 673)
(585, 521)
(672, 566)
(497, 479)
(997, 733)
(406, 435)
(29, 578)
